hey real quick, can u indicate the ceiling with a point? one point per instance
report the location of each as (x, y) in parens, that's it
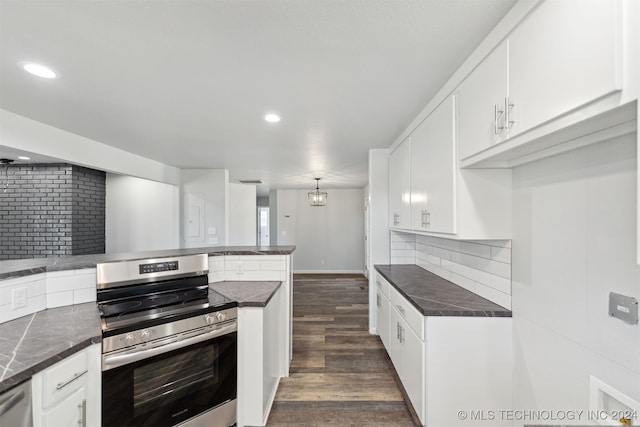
(187, 83)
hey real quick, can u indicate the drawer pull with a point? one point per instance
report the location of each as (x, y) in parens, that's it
(83, 409)
(60, 386)
(400, 309)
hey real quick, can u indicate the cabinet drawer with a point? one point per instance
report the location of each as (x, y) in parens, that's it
(64, 378)
(408, 312)
(382, 285)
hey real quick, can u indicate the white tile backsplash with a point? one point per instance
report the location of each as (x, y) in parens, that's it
(482, 267)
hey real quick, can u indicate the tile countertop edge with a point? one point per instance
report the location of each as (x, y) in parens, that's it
(11, 269)
(454, 310)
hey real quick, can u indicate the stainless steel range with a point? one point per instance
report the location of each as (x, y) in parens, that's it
(169, 345)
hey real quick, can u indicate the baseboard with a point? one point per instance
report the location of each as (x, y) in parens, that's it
(328, 272)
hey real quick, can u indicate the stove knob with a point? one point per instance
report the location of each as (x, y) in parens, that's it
(129, 339)
(208, 319)
(221, 317)
(145, 335)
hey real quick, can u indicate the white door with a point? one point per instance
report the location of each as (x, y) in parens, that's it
(263, 226)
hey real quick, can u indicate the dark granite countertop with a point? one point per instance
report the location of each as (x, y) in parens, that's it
(24, 267)
(32, 343)
(247, 294)
(434, 296)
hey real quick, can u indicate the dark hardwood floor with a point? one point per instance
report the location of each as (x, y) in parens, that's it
(340, 374)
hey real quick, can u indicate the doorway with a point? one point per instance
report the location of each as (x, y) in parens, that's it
(263, 226)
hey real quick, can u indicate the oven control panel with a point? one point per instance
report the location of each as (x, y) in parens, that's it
(157, 267)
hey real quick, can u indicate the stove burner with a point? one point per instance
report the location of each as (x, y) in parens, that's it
(160, 300)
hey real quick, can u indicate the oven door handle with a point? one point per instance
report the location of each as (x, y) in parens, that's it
(110, 362)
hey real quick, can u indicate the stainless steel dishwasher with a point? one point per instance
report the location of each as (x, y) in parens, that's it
(15, 406)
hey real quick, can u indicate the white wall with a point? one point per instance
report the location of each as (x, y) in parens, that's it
(574, 229)
(140, 215)
(242, 215)
(378, 221)
(273, 216)
(328, 238)
(212, 187)
(29, 135)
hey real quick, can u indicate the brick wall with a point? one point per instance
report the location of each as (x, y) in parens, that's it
(45, 205)
(88, 217)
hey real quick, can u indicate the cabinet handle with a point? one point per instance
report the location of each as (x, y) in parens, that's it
(401, 334)
(428, 221)
(423, 220)
(507, 109)
(398, 330)
(378, 300)
(497, 113)
(400, 309)
(83, 412)
(60, 386)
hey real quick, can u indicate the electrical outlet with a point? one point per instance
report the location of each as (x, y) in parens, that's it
(213, 240)
(239, 268)
(18, 298)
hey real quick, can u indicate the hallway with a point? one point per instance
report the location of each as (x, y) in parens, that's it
(340, 374)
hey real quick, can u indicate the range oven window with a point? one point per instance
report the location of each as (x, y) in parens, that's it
(168, 380)
(170, 388)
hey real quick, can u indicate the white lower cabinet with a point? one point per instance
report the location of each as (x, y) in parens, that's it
(261, 337)
(67, 394)
(456, 371)
(382, 319)
(406, 351)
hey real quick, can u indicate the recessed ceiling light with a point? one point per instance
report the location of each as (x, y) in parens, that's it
(38, 70)
(272, 118)
(24, 158)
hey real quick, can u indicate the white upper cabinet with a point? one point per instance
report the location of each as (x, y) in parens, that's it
(400, 186)
(564, 55)
(481, 104)
(554, 83)
(433, 169)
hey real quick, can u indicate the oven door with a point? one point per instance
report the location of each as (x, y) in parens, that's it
(169, 388)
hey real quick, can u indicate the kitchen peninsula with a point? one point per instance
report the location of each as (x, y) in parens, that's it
(49, 316)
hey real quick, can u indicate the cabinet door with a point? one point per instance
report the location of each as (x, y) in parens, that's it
(400, 186)
(433, 168)
(420, 152)
(562, 56)
(441, 169)
(382, 319)
(478, 96)
(70, 412)
(407, 352)
(413, 378)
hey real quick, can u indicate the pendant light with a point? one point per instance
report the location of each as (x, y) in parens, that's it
(317, 197)
(5, 163)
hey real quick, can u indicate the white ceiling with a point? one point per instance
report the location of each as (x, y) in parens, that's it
(187, 83)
